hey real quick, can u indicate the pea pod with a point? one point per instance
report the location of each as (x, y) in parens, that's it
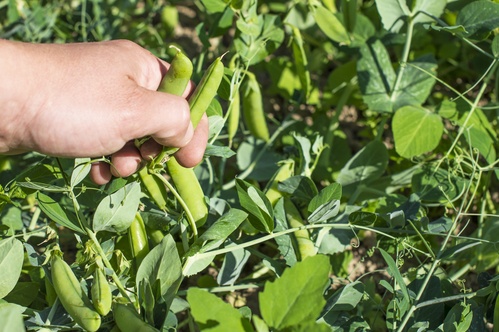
(178, 75)
(127, 319)
(137, 238)
(102, 297)
(206, 90)
(233, 116)
(71, 295)
(285, 171)
(304, 246)
(154, 188)
(253, 113)
(189, 189)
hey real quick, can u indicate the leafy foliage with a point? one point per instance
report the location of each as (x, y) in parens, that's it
(372, 203)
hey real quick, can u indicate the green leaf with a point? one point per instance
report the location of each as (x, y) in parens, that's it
(162, 269)
(376, 76)
(254, 201)
(377, 79)
(254, 50)
(218, 151)
(11, 263)
(297, 296)
(12, 318)
(394, 13)
(232, 266)
(331, 25)
(479, 18)
(116, 212)
(345, 299)
(362, 218)
(81, 169)
(329, 193)
(24, 293)
(324, 212)
(366, 165)
(478, 129)
(416, 130)
(212, 239)
(284, 242)
(57, 213)
(395, 273)
(416, 85)
(300, 187)
(212, 314)
(434, 185)
(214, 6)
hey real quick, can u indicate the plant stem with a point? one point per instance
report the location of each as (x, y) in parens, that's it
(405, 57)
(106, 262)
(188, 213)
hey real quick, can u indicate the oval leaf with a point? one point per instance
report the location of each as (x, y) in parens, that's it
(116, 212)
(11, 263)
(416, 131)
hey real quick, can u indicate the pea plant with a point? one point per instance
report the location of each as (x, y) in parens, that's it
(350, 182)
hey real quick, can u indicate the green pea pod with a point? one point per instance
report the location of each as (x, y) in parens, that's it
(127, 319)
(137, 238)
(102, 297)
(253, 113)
(304, 246)
(71, 295)
(178, 75)
(285, 171)
(206, 90)
(154, 188)
(233, 116)
(155, 236)
(189, 189)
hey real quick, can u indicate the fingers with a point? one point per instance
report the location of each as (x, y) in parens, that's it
(100, 173)
(124, 163)
(164, 117)
(192, 154)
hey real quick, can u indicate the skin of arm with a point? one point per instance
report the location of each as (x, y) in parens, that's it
(93, 100)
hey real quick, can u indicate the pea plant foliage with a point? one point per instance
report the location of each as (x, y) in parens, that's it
(350, 182)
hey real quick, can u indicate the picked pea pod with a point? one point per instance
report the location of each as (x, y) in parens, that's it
(102, 297)
(206, 90)
(71, 295)
(178, 75)
(253, 113)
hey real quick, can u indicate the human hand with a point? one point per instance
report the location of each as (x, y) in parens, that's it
(93, 100)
